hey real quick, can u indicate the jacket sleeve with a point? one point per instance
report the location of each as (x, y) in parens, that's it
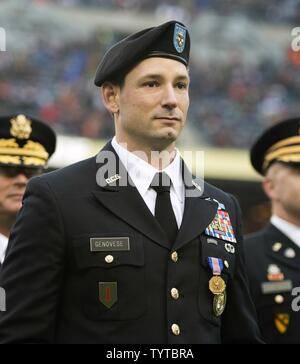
(239, 324)
(32, 273)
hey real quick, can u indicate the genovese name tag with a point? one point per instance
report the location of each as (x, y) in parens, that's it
(110, 244)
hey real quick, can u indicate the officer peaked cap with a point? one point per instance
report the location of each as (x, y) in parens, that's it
(280, 143)
(25, 142)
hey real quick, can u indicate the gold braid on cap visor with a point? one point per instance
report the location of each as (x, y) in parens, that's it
(32, 153)
(287, 150)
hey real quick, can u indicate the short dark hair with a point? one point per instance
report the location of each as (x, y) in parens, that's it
(119, 79)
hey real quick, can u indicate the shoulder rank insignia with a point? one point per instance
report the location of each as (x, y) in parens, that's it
(221, 227)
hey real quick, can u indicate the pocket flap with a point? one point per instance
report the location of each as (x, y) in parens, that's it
(108, 250)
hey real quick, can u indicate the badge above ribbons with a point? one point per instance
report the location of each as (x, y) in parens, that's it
(108, 293)
(282, 322)
(179, 38)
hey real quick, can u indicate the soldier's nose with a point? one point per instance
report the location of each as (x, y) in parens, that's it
(21, 179)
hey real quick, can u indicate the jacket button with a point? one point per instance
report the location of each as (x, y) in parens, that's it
(174, 257)
(175, 293)
(109, 259)
(276, 247)
(175, 330)
(279, 299)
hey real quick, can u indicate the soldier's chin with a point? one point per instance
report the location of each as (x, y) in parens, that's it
(11, 211)
(14, 205)
(165, 140)
(170, 135)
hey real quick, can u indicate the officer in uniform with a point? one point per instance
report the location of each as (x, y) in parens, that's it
(127, 246)
(25, 147)
(273, 254)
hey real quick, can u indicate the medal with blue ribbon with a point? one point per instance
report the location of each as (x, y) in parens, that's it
(217, 285)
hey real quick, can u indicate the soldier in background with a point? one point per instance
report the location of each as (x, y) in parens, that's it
(25, 147)
(273, 254)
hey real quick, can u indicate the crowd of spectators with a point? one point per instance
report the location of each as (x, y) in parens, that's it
(274, 11)
(230, 103)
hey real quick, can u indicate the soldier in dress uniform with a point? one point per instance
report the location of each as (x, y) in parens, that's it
(128, 247)
(273, 254)
(25, 147)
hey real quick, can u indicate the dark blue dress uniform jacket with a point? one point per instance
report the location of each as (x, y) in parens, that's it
(259, 256)
(51, 277)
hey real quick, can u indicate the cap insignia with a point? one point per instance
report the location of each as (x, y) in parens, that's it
(21, 127)
(179, 38)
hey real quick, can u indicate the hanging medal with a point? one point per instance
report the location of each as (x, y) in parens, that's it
(217, 286)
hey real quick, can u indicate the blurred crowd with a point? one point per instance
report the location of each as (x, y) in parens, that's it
(275, 11)
(230, 103)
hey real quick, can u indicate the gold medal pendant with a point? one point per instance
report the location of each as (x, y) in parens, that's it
(217, 285)
(219, 304)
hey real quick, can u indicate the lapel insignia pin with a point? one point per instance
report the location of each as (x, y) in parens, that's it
(290, 253)
(221, 206)
(113, 179)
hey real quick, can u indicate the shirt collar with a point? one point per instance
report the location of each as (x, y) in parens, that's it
(3, 246)
(290, 230)
(142, 173)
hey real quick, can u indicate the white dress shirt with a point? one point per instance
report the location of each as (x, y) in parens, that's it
(142, 174)
(290, 230)
(3, 247)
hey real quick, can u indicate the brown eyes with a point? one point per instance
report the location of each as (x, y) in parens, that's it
(153, 84)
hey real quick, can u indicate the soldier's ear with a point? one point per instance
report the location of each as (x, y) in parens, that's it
(268, 187)
(110, 96)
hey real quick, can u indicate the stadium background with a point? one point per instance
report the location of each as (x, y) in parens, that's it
(245, 76)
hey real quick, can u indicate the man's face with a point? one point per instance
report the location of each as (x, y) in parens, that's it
(13, 181)
(153, 103)
(285, 191)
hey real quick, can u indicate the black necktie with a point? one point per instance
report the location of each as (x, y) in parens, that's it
(164, 212)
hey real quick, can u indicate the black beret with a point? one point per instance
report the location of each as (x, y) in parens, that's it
(169, 40)
(25, 142)
(280, 143)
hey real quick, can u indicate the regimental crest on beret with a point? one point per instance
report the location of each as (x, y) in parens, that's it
(179, 38)
(21, 127)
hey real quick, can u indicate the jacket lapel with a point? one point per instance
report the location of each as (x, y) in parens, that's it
(273, 236)
(123, 199)
(200, 210)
